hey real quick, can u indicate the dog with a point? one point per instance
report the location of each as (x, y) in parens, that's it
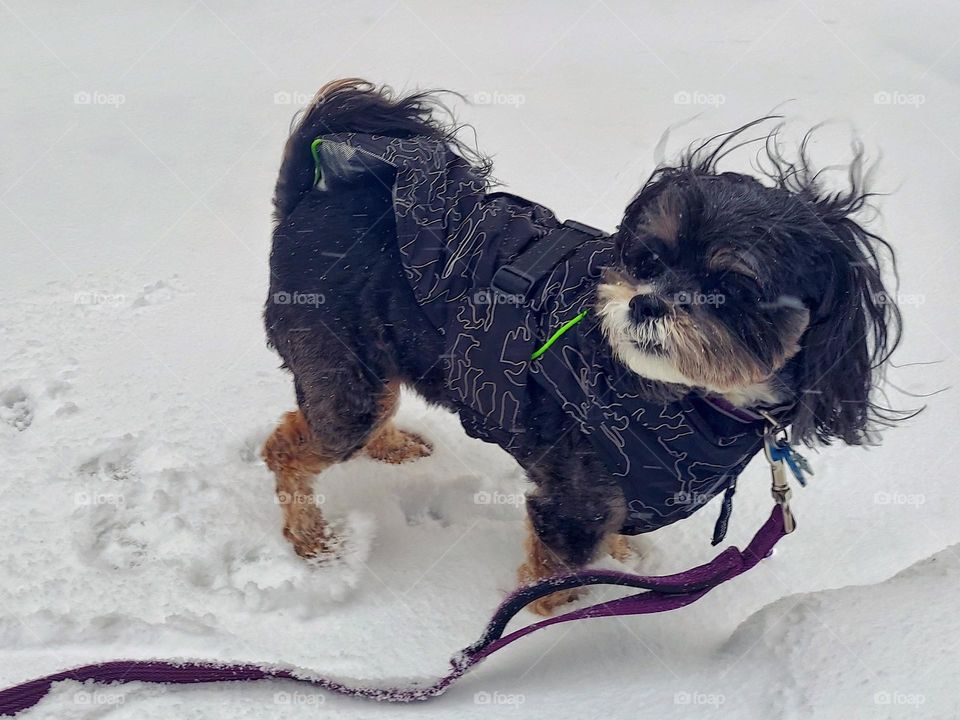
(720, 294)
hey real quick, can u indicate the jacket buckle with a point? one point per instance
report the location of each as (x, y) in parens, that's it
(509, 280)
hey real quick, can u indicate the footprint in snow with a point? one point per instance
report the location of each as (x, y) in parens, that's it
(16, 408)
(108, 531)
(157, 293)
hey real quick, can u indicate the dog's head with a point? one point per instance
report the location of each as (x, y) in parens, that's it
(755, 290)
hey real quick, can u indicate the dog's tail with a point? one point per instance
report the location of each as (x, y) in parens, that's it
(355, 105)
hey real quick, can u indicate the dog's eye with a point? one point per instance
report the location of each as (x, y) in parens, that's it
(747, 291)
(739, 288)
(643, 262)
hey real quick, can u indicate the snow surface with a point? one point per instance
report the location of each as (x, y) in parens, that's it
(139, 146)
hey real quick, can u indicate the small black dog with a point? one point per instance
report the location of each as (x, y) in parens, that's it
(716, 291)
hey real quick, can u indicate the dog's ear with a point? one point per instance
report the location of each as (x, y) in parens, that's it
(854, 327)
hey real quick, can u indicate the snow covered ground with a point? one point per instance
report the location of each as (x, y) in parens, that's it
(139, 146)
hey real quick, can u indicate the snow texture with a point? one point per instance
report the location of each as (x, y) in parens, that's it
(140, 144)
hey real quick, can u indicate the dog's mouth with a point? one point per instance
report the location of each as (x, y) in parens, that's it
(643, 344)
(648, 336)
(651, 347)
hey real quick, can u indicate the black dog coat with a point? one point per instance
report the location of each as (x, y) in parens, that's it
(454, 237)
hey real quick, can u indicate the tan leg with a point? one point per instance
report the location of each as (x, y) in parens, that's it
(295, 454)
(540, 564)
(619, 547)
(388, 442)
(294, 457)
(393, 445)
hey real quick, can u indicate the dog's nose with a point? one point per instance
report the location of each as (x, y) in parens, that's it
(647, 307)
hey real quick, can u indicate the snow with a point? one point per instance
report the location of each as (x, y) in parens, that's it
(139, 149)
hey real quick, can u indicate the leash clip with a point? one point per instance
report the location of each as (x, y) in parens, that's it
(774, 440)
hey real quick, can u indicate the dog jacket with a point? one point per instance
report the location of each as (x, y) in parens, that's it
(465, 253)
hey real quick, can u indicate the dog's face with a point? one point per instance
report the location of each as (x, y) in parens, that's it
(699, 296)
(761, 292)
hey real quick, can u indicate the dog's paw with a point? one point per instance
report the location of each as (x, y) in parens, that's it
(545, 606)
(312, 538)
(396, 446)
(618, 547)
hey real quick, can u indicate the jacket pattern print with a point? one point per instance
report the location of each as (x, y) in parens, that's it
(669, 458)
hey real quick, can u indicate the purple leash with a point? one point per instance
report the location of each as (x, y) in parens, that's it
(661, 593)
